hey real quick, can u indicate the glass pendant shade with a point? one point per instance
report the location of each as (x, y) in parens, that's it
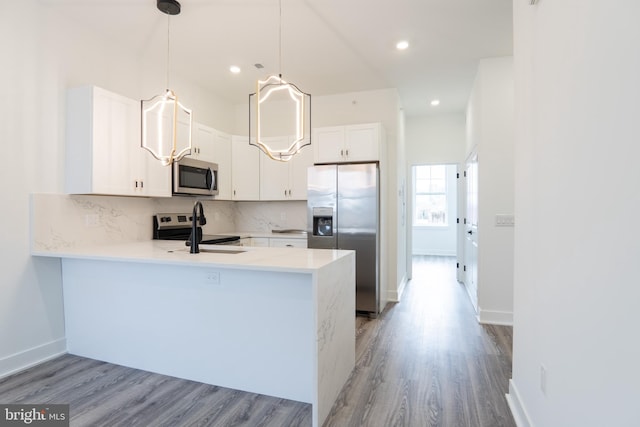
(279, 118)
(166, 127)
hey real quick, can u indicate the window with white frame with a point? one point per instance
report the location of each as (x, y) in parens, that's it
(430, 195)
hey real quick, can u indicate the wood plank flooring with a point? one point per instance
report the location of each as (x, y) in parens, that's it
(424, 362)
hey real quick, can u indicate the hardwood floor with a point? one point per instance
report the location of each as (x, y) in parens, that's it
(427, 362)
(424, 362)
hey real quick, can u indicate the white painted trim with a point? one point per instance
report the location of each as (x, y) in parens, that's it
(495, 317)
(34, 356)
(473, 301)
(396, 295)
(517, 407)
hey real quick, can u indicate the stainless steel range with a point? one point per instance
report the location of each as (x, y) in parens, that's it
(177, 226)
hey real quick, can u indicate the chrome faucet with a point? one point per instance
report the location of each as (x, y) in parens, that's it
(197, 209)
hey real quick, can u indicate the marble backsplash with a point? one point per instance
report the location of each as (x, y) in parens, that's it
(267, 216)
(62, 221)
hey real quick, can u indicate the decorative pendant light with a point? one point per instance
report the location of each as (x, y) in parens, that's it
(166, 123)
(279, 111)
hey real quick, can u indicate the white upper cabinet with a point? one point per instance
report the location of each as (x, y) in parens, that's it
(245, 169)
(103, 153)
(285, 180)
(222, 156)
(352, 143)
(202, 143)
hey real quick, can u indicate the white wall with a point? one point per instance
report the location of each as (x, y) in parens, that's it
(400, 196)
(43, 55)
(490, 119)
(436, 139)
(576, 294)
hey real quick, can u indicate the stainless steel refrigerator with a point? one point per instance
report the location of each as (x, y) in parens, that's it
(343, 212)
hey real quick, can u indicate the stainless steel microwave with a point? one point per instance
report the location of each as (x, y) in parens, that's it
(192, 177)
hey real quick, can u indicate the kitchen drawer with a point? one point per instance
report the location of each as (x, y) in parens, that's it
(287, 243)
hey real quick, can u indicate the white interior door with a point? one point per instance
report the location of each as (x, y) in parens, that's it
(461, 194)
(471, 230)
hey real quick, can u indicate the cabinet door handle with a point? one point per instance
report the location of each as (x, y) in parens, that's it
(285, 192)
(141, 184)
(136, 183)
(347, 153)
(289, 246)
(341, 153)
(289, 192)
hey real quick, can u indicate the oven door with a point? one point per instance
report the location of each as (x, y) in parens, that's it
(195, 177)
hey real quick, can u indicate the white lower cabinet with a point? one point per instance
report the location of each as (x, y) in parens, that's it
(273, 242)
(103, 153)
(287, 243)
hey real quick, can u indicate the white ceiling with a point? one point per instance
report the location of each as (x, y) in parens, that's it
(328, 46)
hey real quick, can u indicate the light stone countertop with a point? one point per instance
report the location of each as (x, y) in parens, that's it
(291, 260)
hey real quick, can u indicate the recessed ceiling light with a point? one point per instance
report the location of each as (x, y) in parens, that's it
(435, 102)
(234, 69)
(402, 45)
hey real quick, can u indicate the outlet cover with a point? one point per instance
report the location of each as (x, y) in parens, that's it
(212, 278)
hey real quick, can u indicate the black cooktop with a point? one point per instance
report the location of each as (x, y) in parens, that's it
(178, 227)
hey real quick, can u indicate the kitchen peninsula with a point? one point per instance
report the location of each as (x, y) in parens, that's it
(275, 321)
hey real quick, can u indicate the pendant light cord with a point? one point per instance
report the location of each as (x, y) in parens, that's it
(168, 48)
(280, 37)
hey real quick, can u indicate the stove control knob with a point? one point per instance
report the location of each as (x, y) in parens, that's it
(167, 219)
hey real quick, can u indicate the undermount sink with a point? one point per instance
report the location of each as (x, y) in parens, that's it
(212, 251)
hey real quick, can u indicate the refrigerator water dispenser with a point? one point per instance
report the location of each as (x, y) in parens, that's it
(322, 222)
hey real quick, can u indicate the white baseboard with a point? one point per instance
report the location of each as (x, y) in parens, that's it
(517, 408)
(395, 295)
(494, 317)
(25, 359)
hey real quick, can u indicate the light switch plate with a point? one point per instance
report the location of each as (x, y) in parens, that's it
(505, 220)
